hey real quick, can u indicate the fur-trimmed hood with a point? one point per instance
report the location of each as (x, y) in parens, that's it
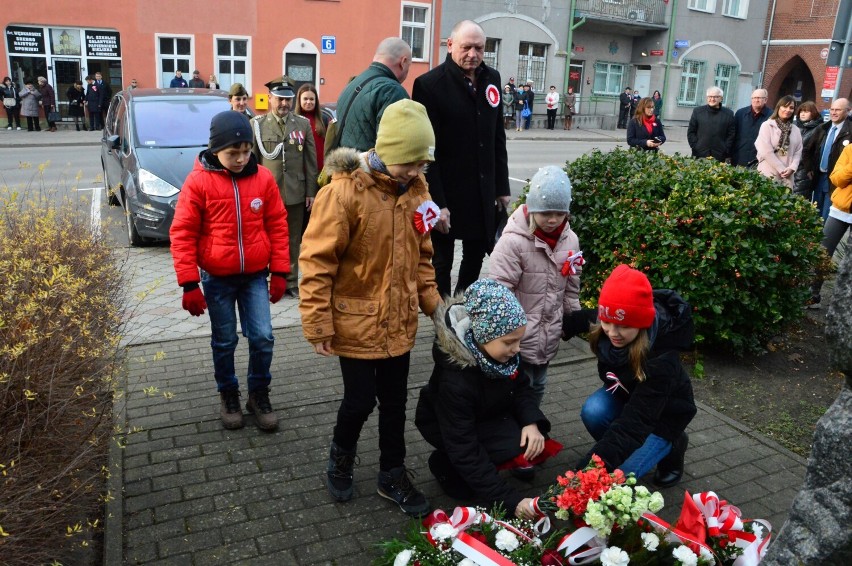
(451, 323)
(346, 160)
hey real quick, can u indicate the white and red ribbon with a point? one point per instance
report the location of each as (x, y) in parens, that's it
(479, 552)
(672, 534)
(572, 546)
(574, 260)
(426, 216)
(724, 519)
(617, 383)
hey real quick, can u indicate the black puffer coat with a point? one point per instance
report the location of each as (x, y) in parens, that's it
(475, 419)
(663, 403)
(803, 178)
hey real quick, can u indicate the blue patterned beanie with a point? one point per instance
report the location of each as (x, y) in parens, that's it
(493, 310)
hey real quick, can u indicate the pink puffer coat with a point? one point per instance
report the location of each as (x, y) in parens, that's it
(527, 266)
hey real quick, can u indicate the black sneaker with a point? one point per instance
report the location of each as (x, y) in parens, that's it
(259, 405)
(670, 469)
(396, 485)
(339, 472)
(525, 473)
(230, 411)
(813, 302)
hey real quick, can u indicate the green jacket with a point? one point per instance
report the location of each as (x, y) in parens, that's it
(362, 121)
(294, 166)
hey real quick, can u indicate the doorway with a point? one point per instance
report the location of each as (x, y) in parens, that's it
(575, 80)
(65, 72)
(642, 84)
(302, 68)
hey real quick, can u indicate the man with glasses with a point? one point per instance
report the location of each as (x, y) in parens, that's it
(822, 150)
(712, 129)
(748, 121)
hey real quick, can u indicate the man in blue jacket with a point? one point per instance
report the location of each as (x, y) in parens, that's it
(748, 121)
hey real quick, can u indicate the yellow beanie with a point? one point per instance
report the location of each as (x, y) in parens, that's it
(405, 134)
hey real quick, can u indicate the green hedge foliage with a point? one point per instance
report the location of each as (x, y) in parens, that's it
(739, 247)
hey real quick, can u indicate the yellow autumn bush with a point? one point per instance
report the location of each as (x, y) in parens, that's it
(61, 303)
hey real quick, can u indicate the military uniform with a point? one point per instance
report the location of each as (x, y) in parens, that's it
(286, 147)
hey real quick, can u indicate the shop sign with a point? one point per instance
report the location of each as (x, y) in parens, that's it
(681, 43)
(657, 53)
(65, 41)
(101, 43)
(25, 41)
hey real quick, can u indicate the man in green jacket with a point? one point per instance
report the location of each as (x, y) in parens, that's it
(379, 87)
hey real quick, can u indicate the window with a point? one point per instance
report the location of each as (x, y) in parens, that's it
(532, 64)
(735, 8)
(726, 79)
(608, 78)
(703, 5)
(492, 47)
(232, 61)
(415, 26)
(691, 83)
(173, 54)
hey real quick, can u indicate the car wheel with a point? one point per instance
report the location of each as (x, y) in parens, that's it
(112, 198)
(132, 235)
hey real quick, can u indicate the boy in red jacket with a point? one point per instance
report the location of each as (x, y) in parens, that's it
(231, 224)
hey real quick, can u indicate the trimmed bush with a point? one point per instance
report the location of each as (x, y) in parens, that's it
(739, 247)
(60, 316)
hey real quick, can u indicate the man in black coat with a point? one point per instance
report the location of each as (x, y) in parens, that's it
(712, 129)
(470, 176)
(819, 159)
(748, 120)
(625, 101)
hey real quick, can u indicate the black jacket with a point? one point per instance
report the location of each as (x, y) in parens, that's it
(638, 136)
(475, 419)
(812, 150)
(711, 132)
(802, 181)
(663, 403)
(747, 129)
(471, 166)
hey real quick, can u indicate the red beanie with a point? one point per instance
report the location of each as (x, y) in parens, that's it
(627, 299)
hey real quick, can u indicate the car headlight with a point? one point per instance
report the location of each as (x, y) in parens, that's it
(150, 184)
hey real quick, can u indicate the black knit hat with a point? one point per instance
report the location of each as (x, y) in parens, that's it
(229, 128)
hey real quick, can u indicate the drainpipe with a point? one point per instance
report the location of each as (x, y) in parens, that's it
(766, 47)
(432, 39)
(669, 51)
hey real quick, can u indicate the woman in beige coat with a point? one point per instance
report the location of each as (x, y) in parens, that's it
(779, 143)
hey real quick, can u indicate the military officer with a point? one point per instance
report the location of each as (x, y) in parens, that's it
(285, 145)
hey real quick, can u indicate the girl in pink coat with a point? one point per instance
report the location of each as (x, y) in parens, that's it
(538, 257)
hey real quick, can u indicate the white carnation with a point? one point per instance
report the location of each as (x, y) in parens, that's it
(650, 541)
(506, 540)
(706, 554)
(686, 556)
(467, 562)
(443, 531)
(402, 558)
(614, 556)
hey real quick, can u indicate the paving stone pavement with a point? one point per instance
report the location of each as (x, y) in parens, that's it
(191, 493)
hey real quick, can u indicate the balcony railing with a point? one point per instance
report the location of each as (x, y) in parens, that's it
(624, 11)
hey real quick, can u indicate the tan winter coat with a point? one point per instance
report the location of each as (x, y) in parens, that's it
(365, 267)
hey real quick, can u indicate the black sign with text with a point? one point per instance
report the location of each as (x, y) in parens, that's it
(102, 43)
(25, 41)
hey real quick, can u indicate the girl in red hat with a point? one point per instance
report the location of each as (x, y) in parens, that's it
(638, 418)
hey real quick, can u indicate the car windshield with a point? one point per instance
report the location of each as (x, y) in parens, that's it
(176, 122)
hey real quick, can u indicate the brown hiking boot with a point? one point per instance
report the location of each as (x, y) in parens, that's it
(230, 412)
(258, 405)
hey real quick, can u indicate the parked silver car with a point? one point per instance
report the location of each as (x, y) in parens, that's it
(149, 145)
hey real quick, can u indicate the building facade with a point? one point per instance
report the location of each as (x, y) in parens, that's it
(679, 47)
(324, 42)
(797, 46)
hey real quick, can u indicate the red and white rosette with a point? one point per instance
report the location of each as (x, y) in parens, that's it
(492, 95)
(426, 216)
(724, 520)
(572, 262)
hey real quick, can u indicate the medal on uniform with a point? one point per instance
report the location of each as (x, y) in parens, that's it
(301, 140)
(292, 138)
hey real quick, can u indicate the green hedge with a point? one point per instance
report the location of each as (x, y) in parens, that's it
(739, 247)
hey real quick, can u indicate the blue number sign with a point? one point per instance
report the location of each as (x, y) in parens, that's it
(329, 44)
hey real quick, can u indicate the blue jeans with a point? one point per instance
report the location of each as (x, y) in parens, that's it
(537, 375)
(821, 198)
(250, 293)
(598, 413)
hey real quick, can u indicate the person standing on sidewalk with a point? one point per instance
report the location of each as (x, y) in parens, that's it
(196, 80)
(76, 102)
(552, 101)
(638, 417)
(11, 102)
(48, 102)
(30, 98)
(625, 100)
(365, 269)
(712, 128)
(94, 102)
(230, 223)
(570, 102)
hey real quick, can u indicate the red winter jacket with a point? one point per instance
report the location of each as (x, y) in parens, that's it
(211, 232)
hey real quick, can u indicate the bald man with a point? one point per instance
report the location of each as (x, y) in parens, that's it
(824, 148)
(362, 103)
(748, 121)
(469, 180)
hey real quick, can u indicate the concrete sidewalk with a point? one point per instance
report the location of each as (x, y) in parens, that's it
(189, 492)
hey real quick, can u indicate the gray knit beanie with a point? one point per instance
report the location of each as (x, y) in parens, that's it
(550, 191)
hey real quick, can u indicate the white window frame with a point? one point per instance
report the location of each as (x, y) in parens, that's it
(217, 58)
(687, 75)
(610, 65)
(708, 6)
(425, 25)
(528, 64)
(160, 56)
(491, 58)
(735, 9)
(728, 83)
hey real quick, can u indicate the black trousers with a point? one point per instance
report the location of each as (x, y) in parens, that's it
(473, 252)
(551, 118)
(365, 382)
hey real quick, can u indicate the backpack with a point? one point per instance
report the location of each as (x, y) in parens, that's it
(334, 131)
